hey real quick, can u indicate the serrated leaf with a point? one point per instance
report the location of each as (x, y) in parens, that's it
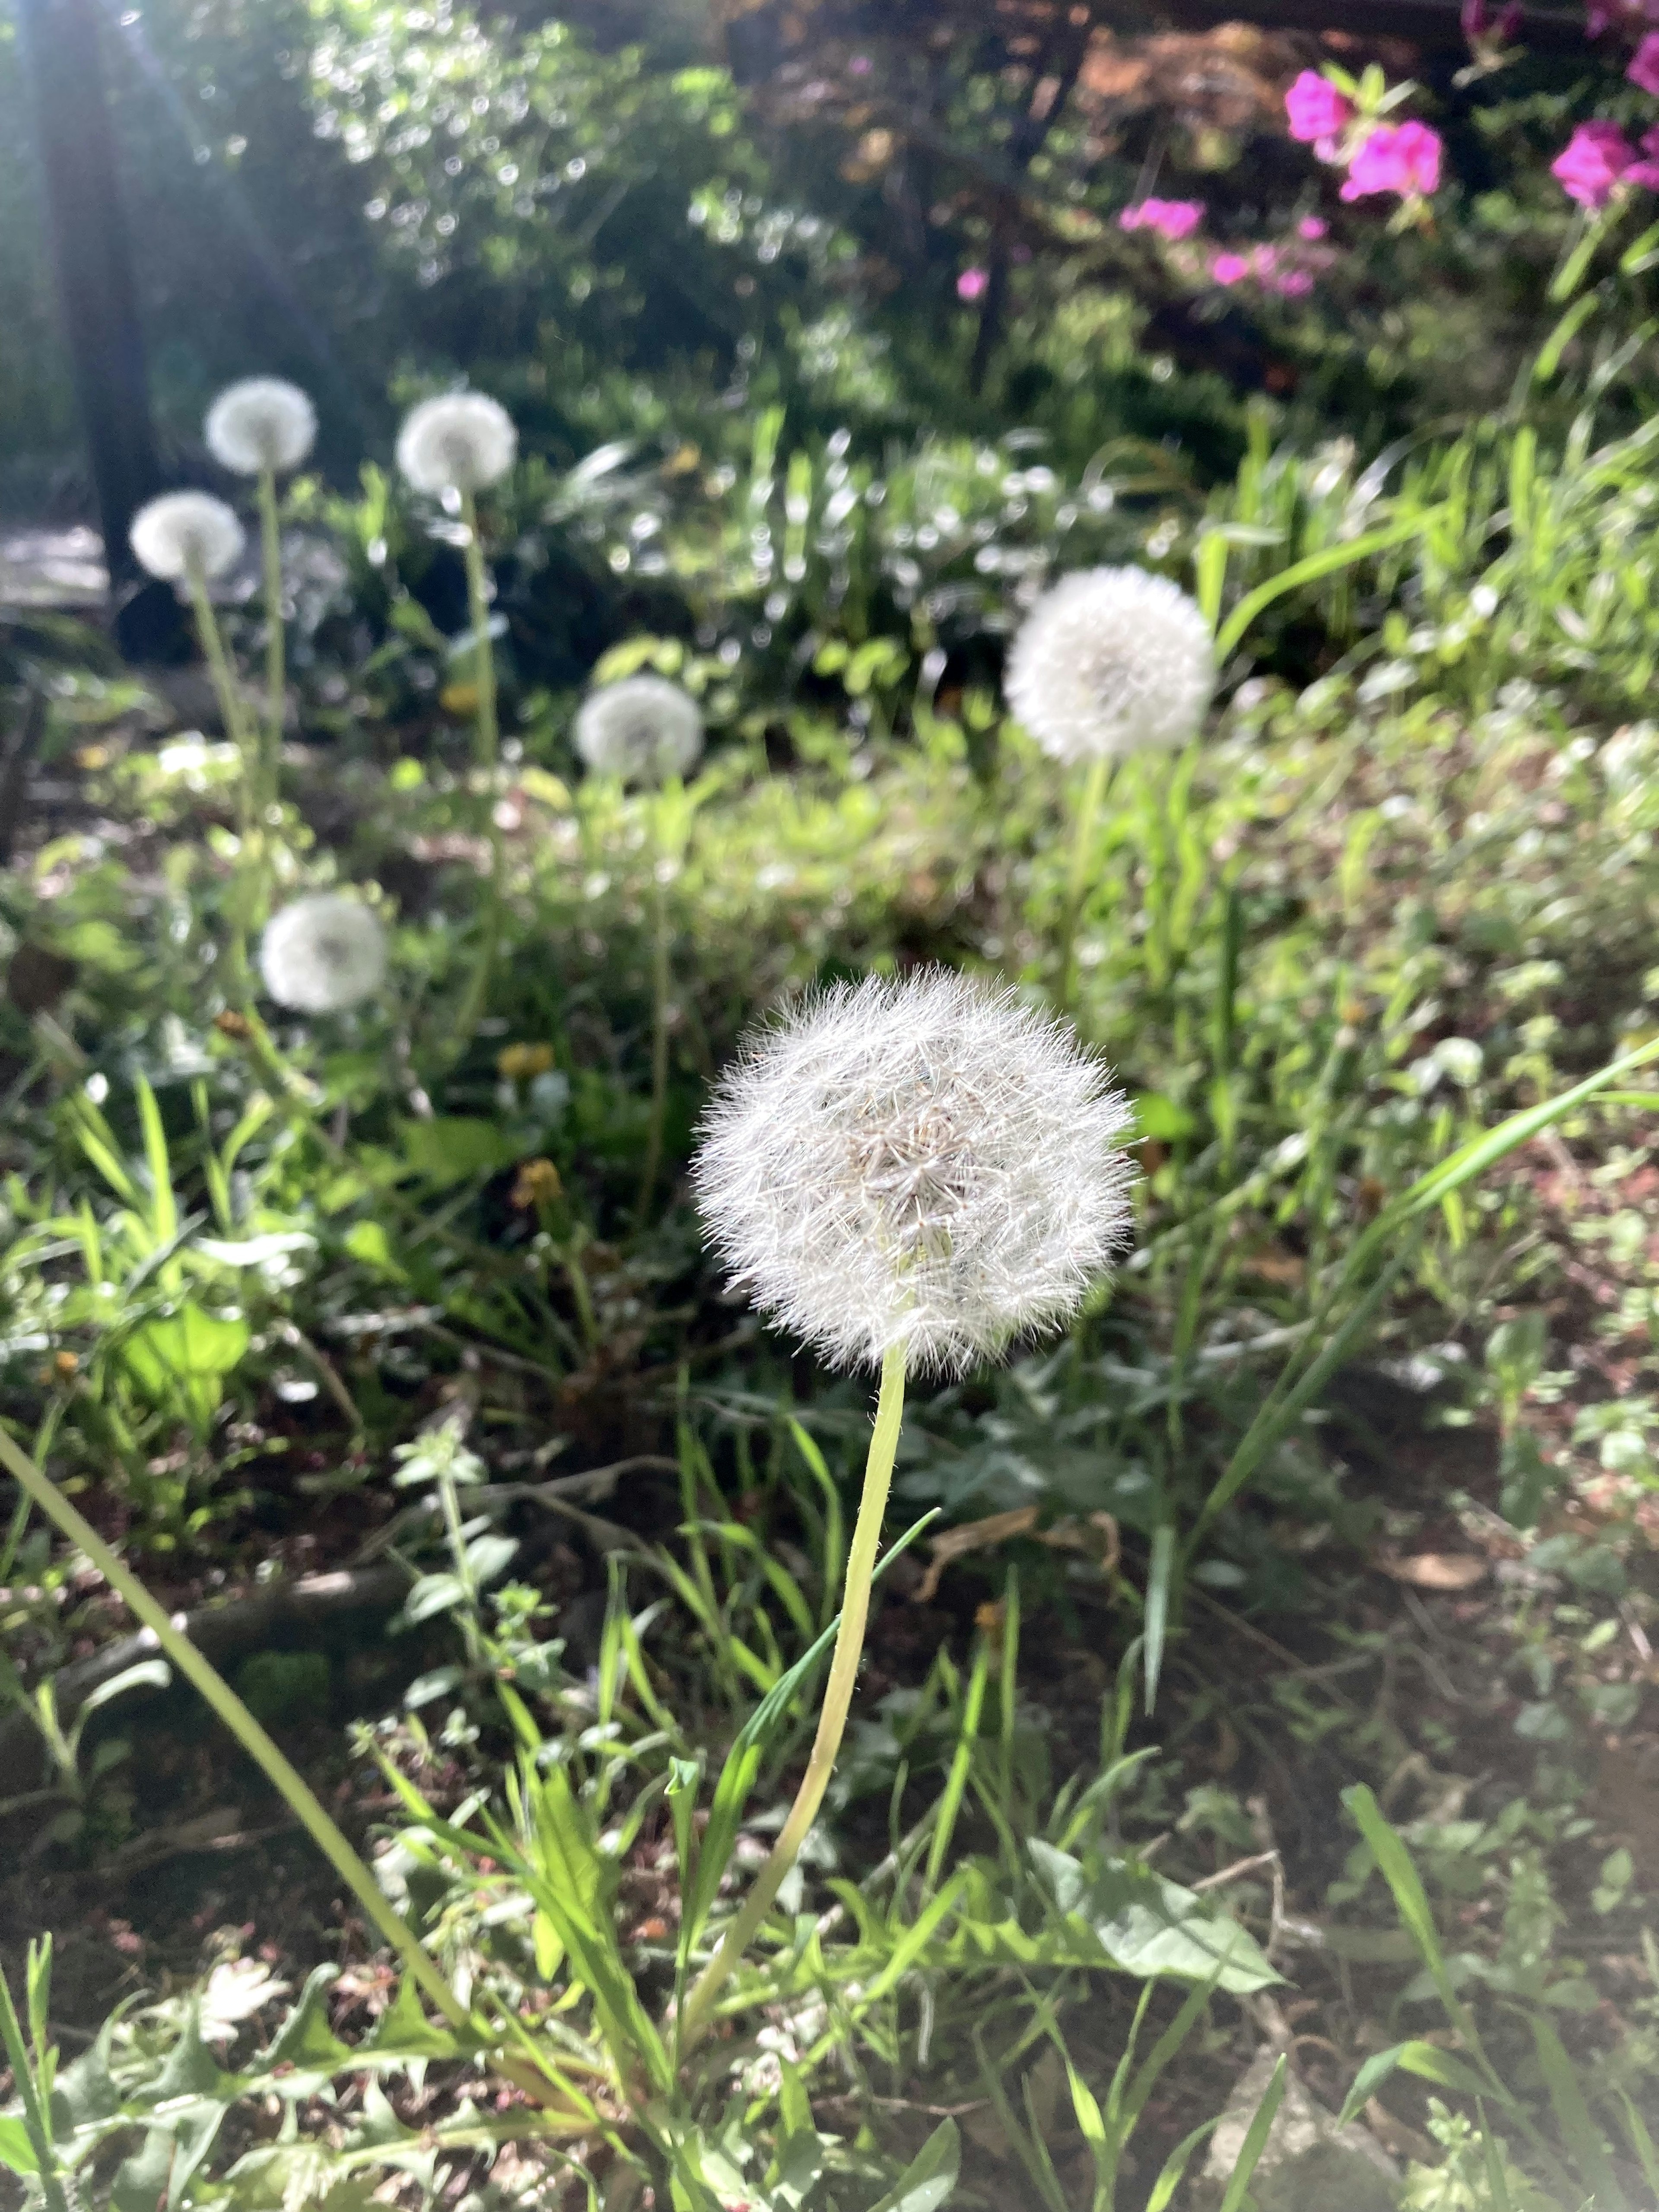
(305, 2040)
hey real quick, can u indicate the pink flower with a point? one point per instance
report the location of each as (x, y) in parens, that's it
(1230, 269)
(1591, 163)
(1316, 108)
(1264, 260)
(1602, 15)
(860, 66)
(973, 284)
(1313, 227)
(1644, 64)
(1171, 219)
(1294, 284)
(1397, 157)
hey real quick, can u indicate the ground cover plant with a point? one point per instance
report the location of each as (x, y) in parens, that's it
(852, 1409)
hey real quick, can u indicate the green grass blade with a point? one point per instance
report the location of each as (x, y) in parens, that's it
(1256, 2141)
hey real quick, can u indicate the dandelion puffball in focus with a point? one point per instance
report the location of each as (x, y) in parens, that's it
(928, 1162)
(322, 953)
(261, 423)
(643, 729)
(186, 532)
(1109, 661)
(459, 442)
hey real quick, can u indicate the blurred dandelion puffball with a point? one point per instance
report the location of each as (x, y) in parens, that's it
(643, 729)
(186, 533)
(459, 442)
(928, 1162)
(1109, 661)
(261, 423)
(322, 953)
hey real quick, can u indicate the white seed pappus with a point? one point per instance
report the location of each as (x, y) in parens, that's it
(929, 1162)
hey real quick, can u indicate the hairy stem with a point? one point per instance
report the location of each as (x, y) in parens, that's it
(659, 980)
(243, 888)
(242, 1725)
(1076, 885)
(837, 1701)
(486, 755)
(270, 546)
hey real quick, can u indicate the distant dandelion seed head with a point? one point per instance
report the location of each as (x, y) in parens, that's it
(1109, 661)
(643, 729)
(186, 530)
(322, 953)
(929, 1163)
(262, 422)
(459, 442)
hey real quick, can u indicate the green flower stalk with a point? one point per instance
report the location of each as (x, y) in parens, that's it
(1109, 662)
(646, 730)
(264, 427)
(190, 537)
(911, 1175)
(454, 447)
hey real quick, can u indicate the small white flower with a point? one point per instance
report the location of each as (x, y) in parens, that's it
(643, 729)
(1110, 660)
(262, 422)
(186, 530)
(459, 442)
(322, 953)
(929, 1162)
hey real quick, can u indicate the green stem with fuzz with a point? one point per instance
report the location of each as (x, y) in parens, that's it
(242, 1725)
(837, 1701)
(270, 546)
(486, 754)
(243, 888)
(659, 980)
(1076, 885)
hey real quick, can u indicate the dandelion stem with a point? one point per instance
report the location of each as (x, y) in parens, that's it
(659, 982)
(837, 1701)
(1076, 887)
(230, 710)
(247, 1731)
(486, 756)
(270, 546)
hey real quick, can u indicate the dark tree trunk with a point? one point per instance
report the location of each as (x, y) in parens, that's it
(99, 301)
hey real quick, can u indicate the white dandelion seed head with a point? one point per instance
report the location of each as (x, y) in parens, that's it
(459, 442)
(929, 1163)
(643, 729)
(322, 953)
(262, 422)
(1109, 661)
(183, 531)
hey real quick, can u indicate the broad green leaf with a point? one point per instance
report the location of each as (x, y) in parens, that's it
(928, 2181)
(453, 1149)
(15, 2150)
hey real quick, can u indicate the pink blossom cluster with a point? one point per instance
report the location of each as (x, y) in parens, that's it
(1598, 157)
(1601, 15)
(1287, 270)
(1403, 158)
(1171, 219)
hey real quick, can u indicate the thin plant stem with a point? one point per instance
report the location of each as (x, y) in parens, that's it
(230, 710)
(247, 1731)
(659, 982)
(486, 755)
(837, 1701)
(1076, 885)
(270, 546)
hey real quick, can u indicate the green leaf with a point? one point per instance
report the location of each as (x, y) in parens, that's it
(931, 2176)
(1572, 2115)
(305, 2041)
(454, 1149)
(1411, 1901)
(15, 2150)
(183, 1359)
(1425, 2060)
(1256, 2141)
